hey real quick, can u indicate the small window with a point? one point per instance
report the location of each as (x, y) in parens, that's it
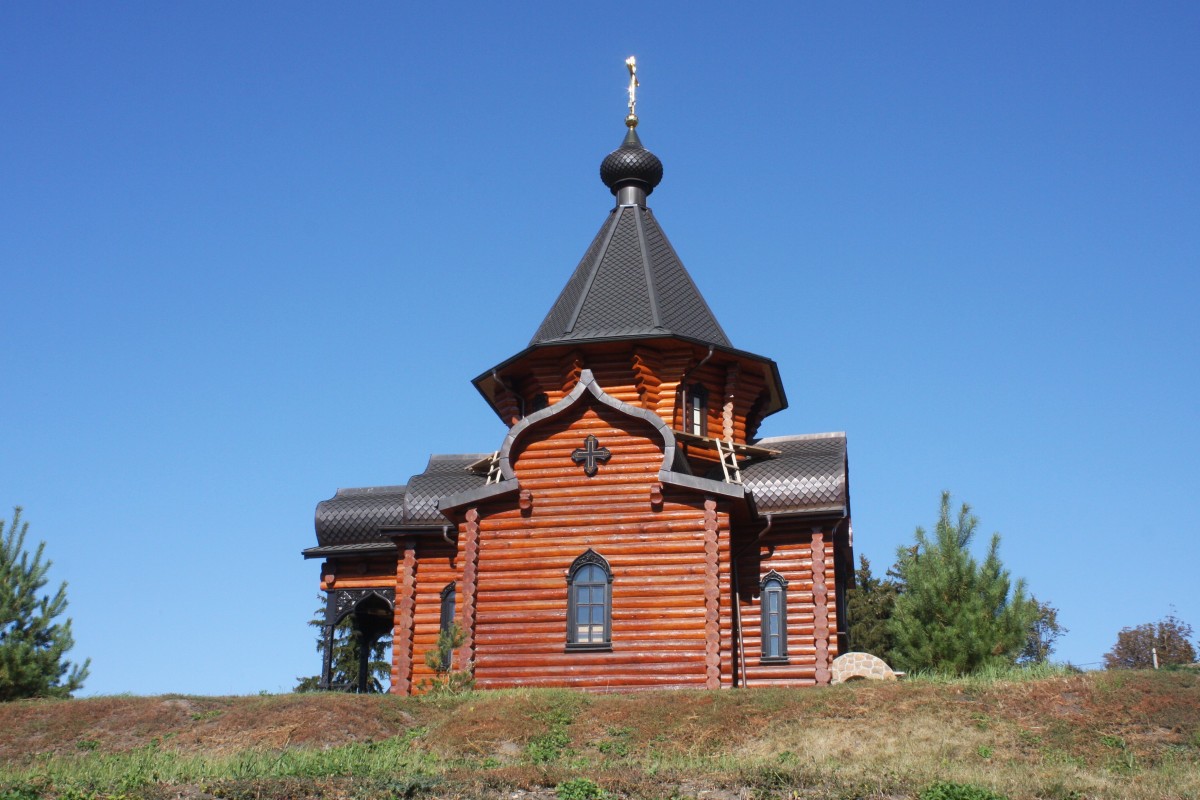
(540, 401)
(773, 607)
(447, 617)
(589, 603)
(697, 410)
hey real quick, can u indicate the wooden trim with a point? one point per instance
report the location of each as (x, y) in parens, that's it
(402, 620)
(710, 443)
(727, 415)
(820, 607)
(712, 598)
(466, 654)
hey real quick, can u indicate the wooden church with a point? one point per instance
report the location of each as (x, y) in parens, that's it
(630, 531)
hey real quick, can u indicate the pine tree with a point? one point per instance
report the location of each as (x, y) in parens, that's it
(32, 644)
(954, 614)
(344, 670)
(869, 606)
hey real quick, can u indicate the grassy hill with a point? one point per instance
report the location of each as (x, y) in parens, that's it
(1100, 735)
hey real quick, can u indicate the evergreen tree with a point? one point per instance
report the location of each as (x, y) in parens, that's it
(955, 615)
(32, 644)
(344, 671)
(1169, 637)
(869, 606)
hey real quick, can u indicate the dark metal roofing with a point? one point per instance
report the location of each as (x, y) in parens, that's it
(359, 549)
(360, 516)
(631, 164)
(445, 474)
(630, 284)
(353, 516)
(808, 476)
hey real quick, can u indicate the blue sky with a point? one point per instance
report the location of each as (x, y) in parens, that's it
(252, 253)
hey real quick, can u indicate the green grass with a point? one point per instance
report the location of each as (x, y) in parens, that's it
(1062, 737)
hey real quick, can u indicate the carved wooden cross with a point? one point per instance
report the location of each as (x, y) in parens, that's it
(590, 454)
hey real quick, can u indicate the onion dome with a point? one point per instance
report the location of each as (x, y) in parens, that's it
(632, 166)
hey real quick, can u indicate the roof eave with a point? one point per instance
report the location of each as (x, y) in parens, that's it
(485, 381)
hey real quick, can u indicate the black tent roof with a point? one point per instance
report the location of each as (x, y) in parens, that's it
(630, 284)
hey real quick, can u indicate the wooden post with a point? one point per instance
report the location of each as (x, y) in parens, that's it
(466, 654)
(712, 598)
(402, 620)
(820, 607)
(727, 417)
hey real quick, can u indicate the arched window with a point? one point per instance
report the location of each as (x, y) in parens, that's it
(697, 410)
(540, 401)
(589, 603)
(773, 607)
(446, 618)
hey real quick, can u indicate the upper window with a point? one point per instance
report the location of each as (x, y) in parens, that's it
(773, 606)
(697, 410)
(540, 401)
(446, 618)
(589, 603)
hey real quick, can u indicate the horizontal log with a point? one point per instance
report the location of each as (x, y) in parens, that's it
(616, 682)
(582, 661)
(582, 526)
(628, 546)
(497, 645)
(634, 522)
(618, 443)
(362, 582)
(600, 666)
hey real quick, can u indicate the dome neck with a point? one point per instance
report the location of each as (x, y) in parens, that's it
(630, 194)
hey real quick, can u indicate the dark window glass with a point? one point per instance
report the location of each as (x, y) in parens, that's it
(589, 601)
(447, 617)
(773, 600)
(697, 410)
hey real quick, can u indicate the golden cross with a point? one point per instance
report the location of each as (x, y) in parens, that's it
(631, 63)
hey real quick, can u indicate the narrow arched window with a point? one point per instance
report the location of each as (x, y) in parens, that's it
(540, 401)
(697, 410)
(589, 603)
(773, 607)
(446, 618)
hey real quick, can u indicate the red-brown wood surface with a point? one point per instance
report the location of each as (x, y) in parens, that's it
(669, 548)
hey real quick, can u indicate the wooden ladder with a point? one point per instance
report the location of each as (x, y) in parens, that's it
(729, 462)
(493, 469)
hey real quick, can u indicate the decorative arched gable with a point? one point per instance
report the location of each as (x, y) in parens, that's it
(586, 387)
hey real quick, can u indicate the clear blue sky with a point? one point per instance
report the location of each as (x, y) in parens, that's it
(253, 252)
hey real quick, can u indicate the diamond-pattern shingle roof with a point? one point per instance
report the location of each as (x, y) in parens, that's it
(356, 516)
(809, 475)
(629, 284)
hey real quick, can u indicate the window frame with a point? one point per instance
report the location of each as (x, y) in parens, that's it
(589, 559)
(446, 611)
(695, 401)
(772, 585)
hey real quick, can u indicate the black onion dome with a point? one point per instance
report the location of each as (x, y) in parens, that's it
(631, 164)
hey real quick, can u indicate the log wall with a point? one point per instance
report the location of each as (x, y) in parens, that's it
(649, 378)
(788, 549)
(661, 631)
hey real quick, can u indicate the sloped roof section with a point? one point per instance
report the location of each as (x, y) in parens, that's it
(353, 519)
(444, 475)
(354, 516)
(630, 284)
(808, 476)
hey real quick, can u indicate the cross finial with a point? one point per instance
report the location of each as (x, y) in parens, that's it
(631, 64)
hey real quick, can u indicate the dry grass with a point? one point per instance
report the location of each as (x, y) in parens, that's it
(1103, 735)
